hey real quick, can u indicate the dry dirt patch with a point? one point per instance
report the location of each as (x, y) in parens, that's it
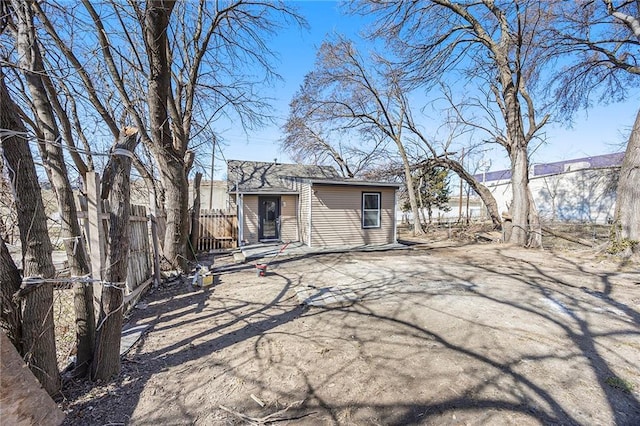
(475, 334)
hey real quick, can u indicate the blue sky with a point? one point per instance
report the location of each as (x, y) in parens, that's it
(600, 130)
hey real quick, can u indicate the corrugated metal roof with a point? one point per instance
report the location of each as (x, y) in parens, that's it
(606, 160)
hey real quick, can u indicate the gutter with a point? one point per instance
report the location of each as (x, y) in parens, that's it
(310, 204)
(395, 219)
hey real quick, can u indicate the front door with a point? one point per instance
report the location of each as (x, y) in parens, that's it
(269, 218)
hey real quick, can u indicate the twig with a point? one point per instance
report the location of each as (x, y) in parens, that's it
(258, 400)
(567, 237)
(257, 421)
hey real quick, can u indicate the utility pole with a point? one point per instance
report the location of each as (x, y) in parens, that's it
(213, 158)
(460, 197)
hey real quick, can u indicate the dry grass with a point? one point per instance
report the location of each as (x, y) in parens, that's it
(64, 321)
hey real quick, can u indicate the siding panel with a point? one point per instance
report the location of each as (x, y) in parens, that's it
(251, 218)
(303, 213)
(337, 216)
(288, 220)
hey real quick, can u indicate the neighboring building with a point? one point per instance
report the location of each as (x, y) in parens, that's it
(579, 190)
(213, 195)
(311, 204)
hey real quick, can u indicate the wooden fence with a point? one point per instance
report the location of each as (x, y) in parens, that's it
(217, 229)
(143, 251)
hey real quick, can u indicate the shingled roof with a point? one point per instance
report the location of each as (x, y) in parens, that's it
(250, 176)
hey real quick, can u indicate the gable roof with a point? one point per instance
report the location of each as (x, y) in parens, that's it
(250, 176)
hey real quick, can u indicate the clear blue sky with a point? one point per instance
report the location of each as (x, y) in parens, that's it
(597, 131)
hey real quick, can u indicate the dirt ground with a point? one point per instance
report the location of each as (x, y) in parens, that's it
(440, 333)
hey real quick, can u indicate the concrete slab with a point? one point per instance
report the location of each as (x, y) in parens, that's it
(325, 296)
(130, 335)
(296, 249)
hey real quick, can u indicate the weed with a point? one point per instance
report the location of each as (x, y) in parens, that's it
(618, 383)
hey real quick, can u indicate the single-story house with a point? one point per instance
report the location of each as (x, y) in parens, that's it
(311, 204)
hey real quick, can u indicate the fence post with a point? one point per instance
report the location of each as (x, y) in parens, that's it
(156, 249)
(96, 234)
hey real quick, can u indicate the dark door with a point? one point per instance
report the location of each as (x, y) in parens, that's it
(269, 218)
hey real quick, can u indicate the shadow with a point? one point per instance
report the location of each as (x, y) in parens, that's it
(445, 336)
(168, 310)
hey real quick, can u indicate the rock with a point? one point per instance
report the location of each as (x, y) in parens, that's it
(239, 257)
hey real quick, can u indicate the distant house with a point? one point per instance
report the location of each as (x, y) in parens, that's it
(311, 204)
(575, 190)
(213, 195)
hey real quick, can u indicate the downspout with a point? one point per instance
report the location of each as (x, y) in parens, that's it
(298, 224)
(241, 220)
(310, 204)
(395, 219)
(240, 207)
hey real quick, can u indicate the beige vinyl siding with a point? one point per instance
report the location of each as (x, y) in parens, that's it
(337, 216)
(303, 213)
(288, 220)
(250, 218)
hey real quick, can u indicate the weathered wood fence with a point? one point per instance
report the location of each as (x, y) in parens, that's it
(217, 229)
(143, 250)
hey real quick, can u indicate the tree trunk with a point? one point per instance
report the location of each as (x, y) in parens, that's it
(54, 162)
(421, 203)
(176, 203)
(170, 155)
(10, 315)
(627, 212)
(484, 193)
(195, 216)
(38, 339)
(417, 222)
(10, 279)
(106, 360)
(520, 188)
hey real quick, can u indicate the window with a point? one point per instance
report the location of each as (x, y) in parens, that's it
(371, 210)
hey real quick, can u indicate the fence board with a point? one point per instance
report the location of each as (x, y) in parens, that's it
(96, 225)
(217, 229)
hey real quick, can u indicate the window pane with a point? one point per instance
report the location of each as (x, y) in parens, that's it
(370, 201)
(371, 219)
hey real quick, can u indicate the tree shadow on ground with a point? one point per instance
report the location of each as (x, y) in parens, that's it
(623, 405)
(378, 350)
(164, 311)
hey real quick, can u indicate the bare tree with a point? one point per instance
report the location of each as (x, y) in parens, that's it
(308, 139)
(35, 300)
(106, 361)
(441, 154)
(47, 112)
(10, 279)
(601, 41)
(342, 95)
(493, 45)
(191, 64)
(352, 95)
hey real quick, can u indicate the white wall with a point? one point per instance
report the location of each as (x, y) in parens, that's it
(586, 195)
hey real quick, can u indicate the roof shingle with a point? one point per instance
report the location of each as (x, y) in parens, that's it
(269, 177)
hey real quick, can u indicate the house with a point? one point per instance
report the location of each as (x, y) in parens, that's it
(311, 204)
(574, 190)
(213, 195)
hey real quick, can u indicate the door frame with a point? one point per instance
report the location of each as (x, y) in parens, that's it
(261, 214)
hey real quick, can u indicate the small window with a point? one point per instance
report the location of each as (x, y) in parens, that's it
(371, 210)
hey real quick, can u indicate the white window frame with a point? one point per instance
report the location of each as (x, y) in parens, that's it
(378, 209)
